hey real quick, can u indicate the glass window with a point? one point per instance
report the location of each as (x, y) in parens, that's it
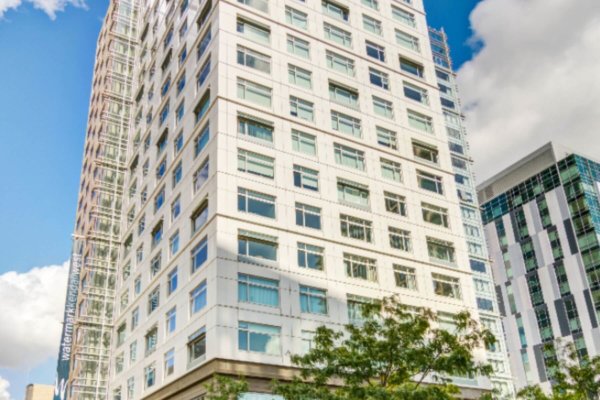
(416, 93)
(259, 338)
(174, 243)
(340, 63)
(411, 67)
(204, 42)
(353, 193)
(254, 92)
(199, 254)
(425, 152)
(198, 298)
(374, 4)
(383, 108)
(360, 267)
(376, 51)
(197, 345)
(404, 16)
(255, 128)
(310, 256)
(446, 286)
(299, 76)
(395, 203)
(157, 233)
(257, 290)
(343, 95)
(406, 277)
(175, 208)
(296, 17)
(172, 281)
(200, 177)
(164, 113)
(150, 339)
(420, 121)
(178, 143)
(399, 239)
(149, 376)
(337, 35)
(349, 157)
(254, 31)
(257, 245)
(435, 215)
(256, 203)
(356, 306)
(161, 168)
(386, 138)
(181, 81)
(256, 164)
(253, 59)
(356, 228)
(379, 78)
(313, 300)
(346, 124)
(335, 10)
(304, 143)
(200, 216)
(408, 41)
(441, 250)
(177, 173)
(302, 109)
(202, 107)
(308, 216)
(171, 320)
(260, 5)
(430, 182)
(372, 25)
(297, 46)
(306, 178)
(201, 140)
(391, 170)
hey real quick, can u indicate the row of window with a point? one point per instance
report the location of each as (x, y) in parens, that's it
(256, 247)
(261, 338)
(298, 46)
(303, 109)
(308, 178)
(350, 193)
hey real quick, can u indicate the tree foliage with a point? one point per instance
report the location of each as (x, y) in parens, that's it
(573, 377)
(225, 388)
(396, 353)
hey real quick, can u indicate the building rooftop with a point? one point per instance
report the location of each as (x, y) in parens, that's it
(530, 165)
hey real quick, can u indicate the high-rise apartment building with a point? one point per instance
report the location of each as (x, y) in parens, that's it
(83, 366)
(542, 222)
(36, 391)
(287, 162)
(464, 178)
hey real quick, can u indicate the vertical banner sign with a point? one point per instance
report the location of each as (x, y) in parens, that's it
(66, 340)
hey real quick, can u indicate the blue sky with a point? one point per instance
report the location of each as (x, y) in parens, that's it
(45, 76)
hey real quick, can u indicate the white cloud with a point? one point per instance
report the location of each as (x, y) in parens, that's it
(32, 310)
(4, 385)
(535, 79)
(50, 7)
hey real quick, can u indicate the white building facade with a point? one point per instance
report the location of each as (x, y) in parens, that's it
(288, 161)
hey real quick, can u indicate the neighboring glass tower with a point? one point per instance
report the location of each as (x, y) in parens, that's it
(83, 368)
(462, 165)
(542, 220)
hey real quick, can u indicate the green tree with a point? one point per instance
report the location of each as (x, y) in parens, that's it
(396, 353)
(225, 388)
(573, 377)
